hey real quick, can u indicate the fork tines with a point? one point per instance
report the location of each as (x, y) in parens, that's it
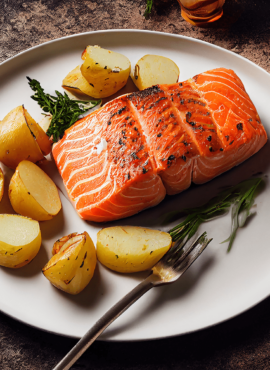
(180, 258)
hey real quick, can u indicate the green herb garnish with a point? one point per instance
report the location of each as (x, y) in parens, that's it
(148, 9)
(65, 111)
(239, 198)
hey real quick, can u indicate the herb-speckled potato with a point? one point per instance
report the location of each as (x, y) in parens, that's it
(20, 240)
(77, 84)
(32, 193)
(105, 70)
(154, 70)
(17, 141)
(131, 249)
(73, 264)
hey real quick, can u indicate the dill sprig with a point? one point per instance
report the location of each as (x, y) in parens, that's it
(148, 9)
(239, 198)
(65, 111)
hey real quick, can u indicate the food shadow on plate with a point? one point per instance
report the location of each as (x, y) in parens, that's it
(127, 89)
(165, 294)
(52, 227)
(90, 297)
(33, 268)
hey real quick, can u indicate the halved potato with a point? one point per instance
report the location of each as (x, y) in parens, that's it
(105, 70)
(20, 240)
(17, 141)
(154, 70)
(73, 264)
(130, 248)
(32, 193)
(76, 83)
(2, 183)
(41, 138)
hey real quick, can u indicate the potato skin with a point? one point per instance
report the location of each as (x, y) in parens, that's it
(16, 140)
(73, 265)
(18, 256)
(42, 139)
(77, 84)
(105, 70)
(130, 249)
(23, 202)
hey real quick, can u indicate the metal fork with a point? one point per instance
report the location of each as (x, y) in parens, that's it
(172, 265)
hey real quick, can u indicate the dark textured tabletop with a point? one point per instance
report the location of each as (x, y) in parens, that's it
(240, 343)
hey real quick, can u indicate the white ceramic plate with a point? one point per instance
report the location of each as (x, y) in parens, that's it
(218, 286)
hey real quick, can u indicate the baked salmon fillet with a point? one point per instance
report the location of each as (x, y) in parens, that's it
(130, 153)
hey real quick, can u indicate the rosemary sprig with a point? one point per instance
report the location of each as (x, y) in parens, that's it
(240, 197)
(148, 9)
(65, 112)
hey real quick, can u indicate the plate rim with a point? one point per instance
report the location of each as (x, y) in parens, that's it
(170, 35)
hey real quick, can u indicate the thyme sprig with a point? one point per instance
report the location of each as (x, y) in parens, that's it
(148, 9)
(65, 111)
(239, 198)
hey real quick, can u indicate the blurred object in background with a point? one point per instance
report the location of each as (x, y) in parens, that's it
(201, 12)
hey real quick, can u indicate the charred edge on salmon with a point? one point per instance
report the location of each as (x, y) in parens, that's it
(145, 93)
(134, 156)
(239, 126)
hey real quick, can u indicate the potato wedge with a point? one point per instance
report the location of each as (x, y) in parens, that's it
(153, 70)
(32, 193)
(20, 240)
(73, 265)
(42, 139)
(105, 70)
(131, 249)
(17, 142)
(77, 84)
(2, 183)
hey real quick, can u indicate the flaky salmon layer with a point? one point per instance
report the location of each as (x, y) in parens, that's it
(127, 155)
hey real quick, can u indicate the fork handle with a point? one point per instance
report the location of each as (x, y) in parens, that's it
(114, 312)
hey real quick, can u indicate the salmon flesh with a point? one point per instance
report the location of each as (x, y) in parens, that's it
(127, 155)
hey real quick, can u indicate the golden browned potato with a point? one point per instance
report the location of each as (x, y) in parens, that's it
(77, 84)
(130, 248)
(42, 139)
(106, 71)
(153, 70)
(73, 264)
(17, 141)
(2, 183)
(20, 240)
(33, 194)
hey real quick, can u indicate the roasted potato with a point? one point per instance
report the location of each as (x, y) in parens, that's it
(20, 240)
(131, 249)
(1, 184)
(77, 84)
(17, 141)
(41, 138)
(32, 193)
(73, 264)
(153, 70)
(106, 71)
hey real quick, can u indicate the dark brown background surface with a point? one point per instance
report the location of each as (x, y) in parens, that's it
(241, 343)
